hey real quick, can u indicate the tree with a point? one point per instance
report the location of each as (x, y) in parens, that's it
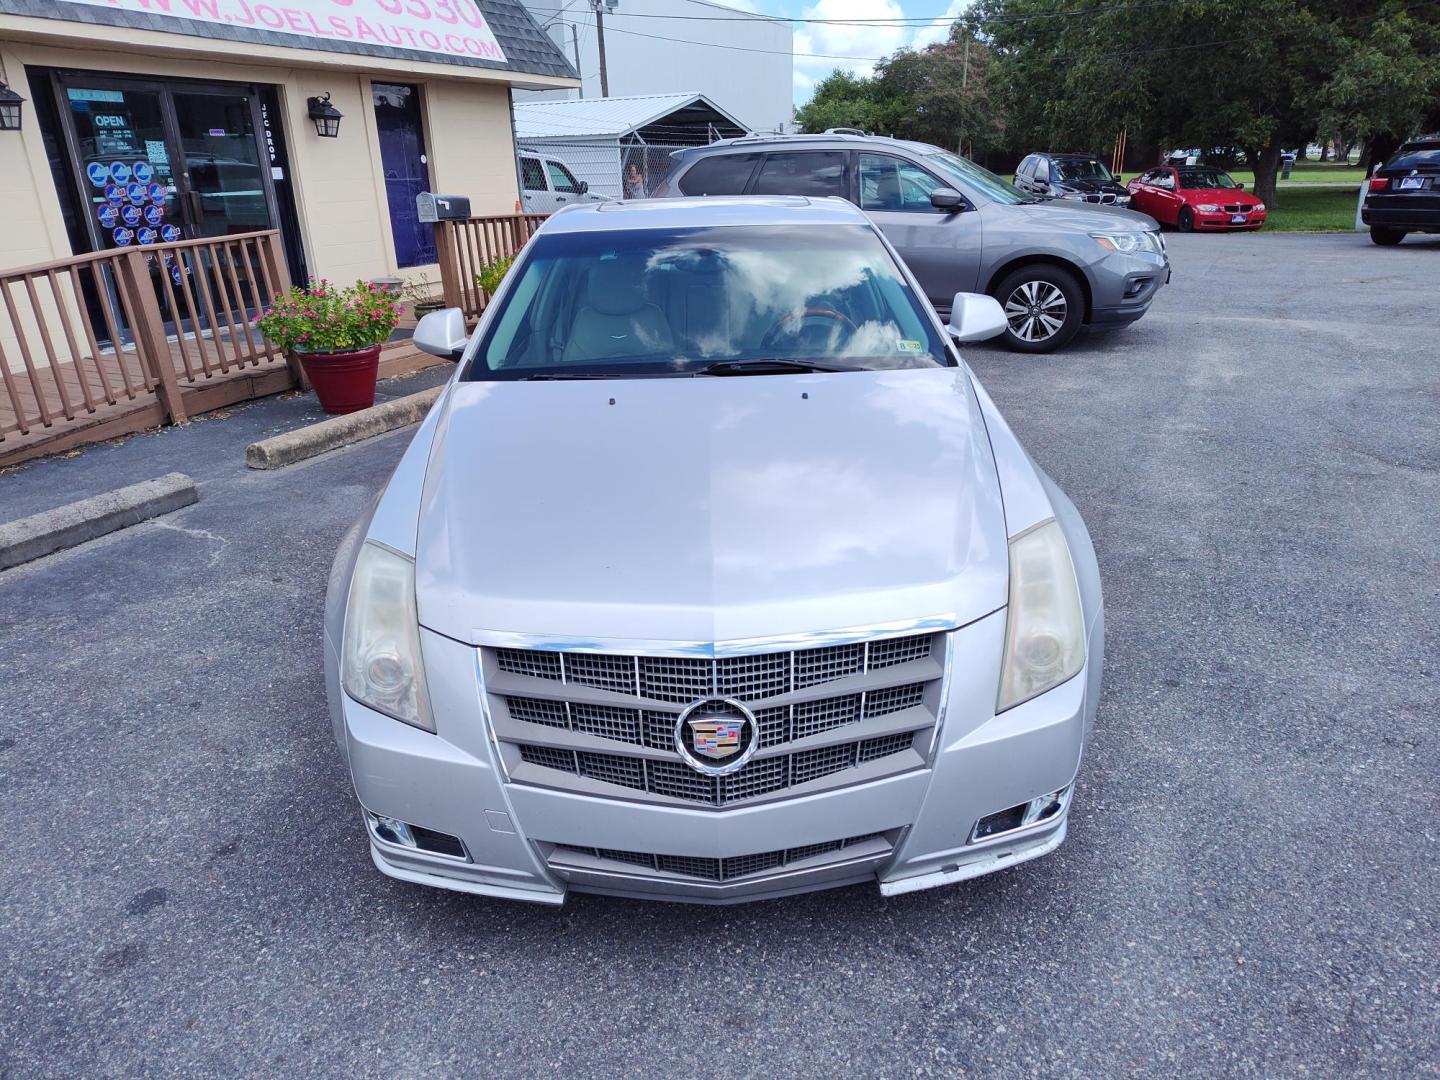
(844, 99)
(1253, 74)
(1388, 81)
(936, 95)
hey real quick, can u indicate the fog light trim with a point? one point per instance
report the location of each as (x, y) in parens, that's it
(395, 833)
(1020, 817)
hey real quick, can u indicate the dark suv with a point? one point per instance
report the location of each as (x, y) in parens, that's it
(1404, 193)
(1076, 177)
(1053, 265)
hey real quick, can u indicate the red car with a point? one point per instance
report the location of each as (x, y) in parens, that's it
(1195, 197)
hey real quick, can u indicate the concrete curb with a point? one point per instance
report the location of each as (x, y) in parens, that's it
(339, 431)
(55, 530)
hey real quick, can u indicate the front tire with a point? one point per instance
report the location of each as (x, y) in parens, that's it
(1186, 220)
(1044, 306)
(1379, 234)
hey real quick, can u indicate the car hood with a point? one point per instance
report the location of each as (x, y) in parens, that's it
(1091, 186)
(1082, 217)
(1224, 196)
(710, 509)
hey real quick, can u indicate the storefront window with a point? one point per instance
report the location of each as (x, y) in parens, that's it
(125, 159)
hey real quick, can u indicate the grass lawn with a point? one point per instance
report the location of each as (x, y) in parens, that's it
(1316, 210)
(1308, 172)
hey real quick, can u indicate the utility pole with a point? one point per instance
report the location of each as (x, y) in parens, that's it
(600, 7)
(575, 41)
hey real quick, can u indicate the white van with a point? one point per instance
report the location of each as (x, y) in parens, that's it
(547, 184)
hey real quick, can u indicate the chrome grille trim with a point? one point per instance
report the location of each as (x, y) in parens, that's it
(682, 679)
(868, 707)
(713, 869)
(676, 780)
(654, 728)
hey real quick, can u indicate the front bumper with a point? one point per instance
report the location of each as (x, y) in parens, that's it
(1124, 285)
(1223, 222)
(908, 831)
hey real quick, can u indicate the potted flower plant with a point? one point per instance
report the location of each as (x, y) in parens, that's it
(422, 297)
(336, 334)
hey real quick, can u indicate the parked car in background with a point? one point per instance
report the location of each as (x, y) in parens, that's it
(547, 184)
(1404, 193)
(835, 626)
(1054, 265)
(1074, 177)
(1192, 197)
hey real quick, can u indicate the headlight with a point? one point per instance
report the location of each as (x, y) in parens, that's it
(1128, 242)
(1121, 200)
(1071, 195)
(1208, 208)
(1044, 632)
(1258, 208)
(380, 663)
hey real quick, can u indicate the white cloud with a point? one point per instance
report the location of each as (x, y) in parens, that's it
(861, 40)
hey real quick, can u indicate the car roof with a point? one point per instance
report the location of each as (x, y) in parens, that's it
(708, 210)
(1072, 154)
(832, 138)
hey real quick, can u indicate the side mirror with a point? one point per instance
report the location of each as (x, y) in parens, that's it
(584, 187)
(948, 199)
(442, 333)
(975, 317)
(1240, 186)
(1120, 180)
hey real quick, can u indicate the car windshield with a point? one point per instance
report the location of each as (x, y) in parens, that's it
(1205, 178)
(1081, 169)
(720, 300)
(969, 175)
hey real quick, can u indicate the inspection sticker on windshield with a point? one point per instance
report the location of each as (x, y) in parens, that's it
(906, 345)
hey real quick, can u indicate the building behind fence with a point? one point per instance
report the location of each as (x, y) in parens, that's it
(596, 140)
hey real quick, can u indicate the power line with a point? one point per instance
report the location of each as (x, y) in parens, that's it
(918, 21)
(742, 48)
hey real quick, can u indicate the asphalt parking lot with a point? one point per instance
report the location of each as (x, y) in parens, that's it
(1250, 885)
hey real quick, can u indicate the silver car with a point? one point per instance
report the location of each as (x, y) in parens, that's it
(712, 575)
(1054, 265)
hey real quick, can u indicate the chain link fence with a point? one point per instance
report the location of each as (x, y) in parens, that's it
(553, 171)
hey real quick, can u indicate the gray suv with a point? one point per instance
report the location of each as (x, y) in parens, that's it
(1055, 266)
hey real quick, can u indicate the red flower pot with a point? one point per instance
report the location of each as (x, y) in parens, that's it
(344, 381)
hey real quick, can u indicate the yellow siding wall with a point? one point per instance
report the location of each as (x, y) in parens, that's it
(344, 218)
(471, 147)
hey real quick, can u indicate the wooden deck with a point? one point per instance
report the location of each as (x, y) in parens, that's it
(120, 402)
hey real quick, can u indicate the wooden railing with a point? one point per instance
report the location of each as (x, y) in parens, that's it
(463, 248)
(136, 324)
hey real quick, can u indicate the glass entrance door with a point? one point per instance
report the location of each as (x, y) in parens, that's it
(166, 161)
(226, 190)
(160, 161)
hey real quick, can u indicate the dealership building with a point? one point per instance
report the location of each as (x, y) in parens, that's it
(155, 121)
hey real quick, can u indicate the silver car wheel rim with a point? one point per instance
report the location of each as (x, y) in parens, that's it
(1036, 310)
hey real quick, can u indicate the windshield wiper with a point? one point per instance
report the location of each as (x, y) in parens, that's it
(766, 367)
(562, 375)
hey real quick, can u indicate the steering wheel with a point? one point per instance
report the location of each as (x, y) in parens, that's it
(801, 316)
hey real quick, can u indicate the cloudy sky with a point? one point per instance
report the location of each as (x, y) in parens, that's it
(861, 42)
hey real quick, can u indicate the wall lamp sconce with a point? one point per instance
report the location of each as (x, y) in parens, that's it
(325, 115)
(10, 103)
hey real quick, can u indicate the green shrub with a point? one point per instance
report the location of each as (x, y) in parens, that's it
(489, 278)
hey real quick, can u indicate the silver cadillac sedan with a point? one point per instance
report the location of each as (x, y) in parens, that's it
(713, 575)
